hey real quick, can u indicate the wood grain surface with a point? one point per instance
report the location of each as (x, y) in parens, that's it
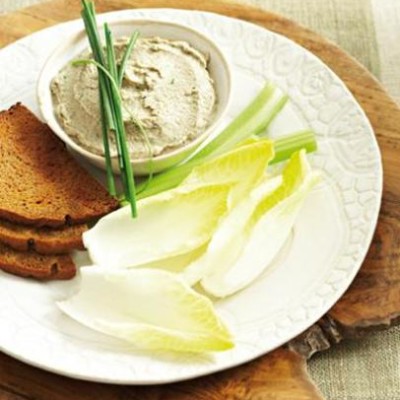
(372, 301)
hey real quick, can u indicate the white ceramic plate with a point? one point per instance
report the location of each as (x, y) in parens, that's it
(326, 249)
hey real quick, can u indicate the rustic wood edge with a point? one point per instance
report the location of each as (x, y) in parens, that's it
(281, 375)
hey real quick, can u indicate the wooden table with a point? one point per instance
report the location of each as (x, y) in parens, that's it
(373, 300)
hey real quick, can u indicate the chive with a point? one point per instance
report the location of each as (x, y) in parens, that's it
(110, 102)
(105, 115)
(125, 165)
(125, 57)
(111, 79)
(94, 41)
(110, 56)
(121, 135)
(109, 171)
(121, 72)
(110, 52)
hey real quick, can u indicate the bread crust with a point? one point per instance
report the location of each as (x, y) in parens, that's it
(42, 240)
(41, 184)
(33, 265)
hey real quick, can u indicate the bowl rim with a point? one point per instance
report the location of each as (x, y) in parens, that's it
(43, 90)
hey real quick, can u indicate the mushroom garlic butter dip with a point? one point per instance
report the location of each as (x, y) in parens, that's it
(166, 86)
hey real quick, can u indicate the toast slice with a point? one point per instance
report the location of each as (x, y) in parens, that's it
(33, 265)
(41, 184)
(42, 240)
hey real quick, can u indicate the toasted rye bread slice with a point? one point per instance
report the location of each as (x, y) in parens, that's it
(42, 240)
(33, 265)
(41, 184)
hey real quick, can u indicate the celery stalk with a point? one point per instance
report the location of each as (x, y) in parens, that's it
(283, 146)
(254, 119)
(288, 144)
(165, 180)
(251, 121)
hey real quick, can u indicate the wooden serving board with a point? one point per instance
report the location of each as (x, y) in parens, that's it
(373, 300)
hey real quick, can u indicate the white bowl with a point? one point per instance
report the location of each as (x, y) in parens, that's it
(76, 44)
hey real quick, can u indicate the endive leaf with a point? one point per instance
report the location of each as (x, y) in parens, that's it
(178, 263)
(169, 224)
(242, 168)
(249, 238)
(153, 309)
(227, 242)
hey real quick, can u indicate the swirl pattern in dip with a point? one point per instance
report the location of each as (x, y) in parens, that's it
(166, 86)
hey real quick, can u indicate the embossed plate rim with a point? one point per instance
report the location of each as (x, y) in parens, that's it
(119, 370)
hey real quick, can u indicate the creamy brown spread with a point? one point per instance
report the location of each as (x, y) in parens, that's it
(166, 86)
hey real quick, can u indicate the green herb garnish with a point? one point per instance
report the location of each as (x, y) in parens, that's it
(110, 79)
(125, 57)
